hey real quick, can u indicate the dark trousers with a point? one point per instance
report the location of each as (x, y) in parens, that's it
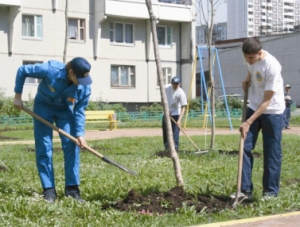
(175, 130)
(270, 124)
(286, 117)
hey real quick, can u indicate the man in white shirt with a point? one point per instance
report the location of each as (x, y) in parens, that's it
(266, 106)
(177, 103)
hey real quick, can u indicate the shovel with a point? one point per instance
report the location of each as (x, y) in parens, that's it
(199, 151)
(75, 141)
(236, 201)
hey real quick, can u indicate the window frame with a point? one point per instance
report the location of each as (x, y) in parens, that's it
(29, 80)
(113, 30)
(167, 77)
(166, 35)
(79, 28)
(35, 26)
(131, 82)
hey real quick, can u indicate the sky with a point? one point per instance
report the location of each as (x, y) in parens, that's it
(221, 12)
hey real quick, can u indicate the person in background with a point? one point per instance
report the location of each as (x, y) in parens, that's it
(177, 102)
(287, 112)
(63, 94)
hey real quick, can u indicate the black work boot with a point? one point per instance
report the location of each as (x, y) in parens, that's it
(49, 194)
(74, 192)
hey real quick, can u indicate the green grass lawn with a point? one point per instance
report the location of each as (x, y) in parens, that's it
(21, 203)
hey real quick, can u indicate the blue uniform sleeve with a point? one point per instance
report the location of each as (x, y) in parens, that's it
(38, 71)
(79, 111)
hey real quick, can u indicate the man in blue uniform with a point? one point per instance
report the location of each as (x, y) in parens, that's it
(62, 97)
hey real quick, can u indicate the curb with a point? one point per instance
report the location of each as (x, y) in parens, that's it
(248, 220)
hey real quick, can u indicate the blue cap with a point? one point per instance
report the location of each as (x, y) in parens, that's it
(82, 68)
(176, 80)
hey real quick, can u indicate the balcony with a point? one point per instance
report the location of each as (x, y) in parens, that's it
(10, 2)
(169, 10)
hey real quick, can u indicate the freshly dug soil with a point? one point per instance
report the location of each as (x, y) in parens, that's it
(293, 181)
(3, 168)
(255, 154)
(159, 203)
(165, 153)
(55, 149)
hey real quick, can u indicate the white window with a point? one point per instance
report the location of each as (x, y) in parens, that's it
(164, 35)
(122, 76)
(167, 74)
(32, 26)
(29, 80)
(76, 29)
(121, 33)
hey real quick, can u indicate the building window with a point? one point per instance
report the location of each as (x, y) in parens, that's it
(274, 3)
(164, 35)
(256, 1)
(250, 6)
(122, 76)
(167, 74)
(76, 29)
(121, 33)
(256, 7)
(32, 26)
(257, 14)
(30, 80)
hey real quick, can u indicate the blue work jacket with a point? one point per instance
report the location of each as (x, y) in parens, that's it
(55, 91)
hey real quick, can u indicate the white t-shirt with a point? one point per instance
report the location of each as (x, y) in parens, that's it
(266, 76)
(176, 99)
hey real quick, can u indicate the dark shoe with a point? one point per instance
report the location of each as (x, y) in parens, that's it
(74, 192)
(244, 195)
(287, 128)
(49, 195)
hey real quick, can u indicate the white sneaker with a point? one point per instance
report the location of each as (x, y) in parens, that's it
(242, 196)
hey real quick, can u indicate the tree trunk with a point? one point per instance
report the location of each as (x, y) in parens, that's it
(167, 119)
(211, 78)
(66, 33)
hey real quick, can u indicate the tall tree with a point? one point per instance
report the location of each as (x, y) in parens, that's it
(66, 32)
(167, 118)
(208, 18)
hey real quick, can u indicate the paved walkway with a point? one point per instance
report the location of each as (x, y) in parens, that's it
(281, 220)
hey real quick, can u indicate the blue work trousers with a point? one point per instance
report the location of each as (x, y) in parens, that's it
(270, 124)
(175, 130)
(43, 134)
(286, 117)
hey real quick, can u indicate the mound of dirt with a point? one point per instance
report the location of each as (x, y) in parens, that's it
(171, 201)
(3, 168)
(292, 181)
(255, 154)
(56, 149)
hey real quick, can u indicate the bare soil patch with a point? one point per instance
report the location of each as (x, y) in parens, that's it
(255, 154)
(171, 201)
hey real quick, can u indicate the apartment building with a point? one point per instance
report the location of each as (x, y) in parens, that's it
(247, 18)
(113, 35)
(219, 33)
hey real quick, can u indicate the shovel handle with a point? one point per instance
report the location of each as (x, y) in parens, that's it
(76, 141)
